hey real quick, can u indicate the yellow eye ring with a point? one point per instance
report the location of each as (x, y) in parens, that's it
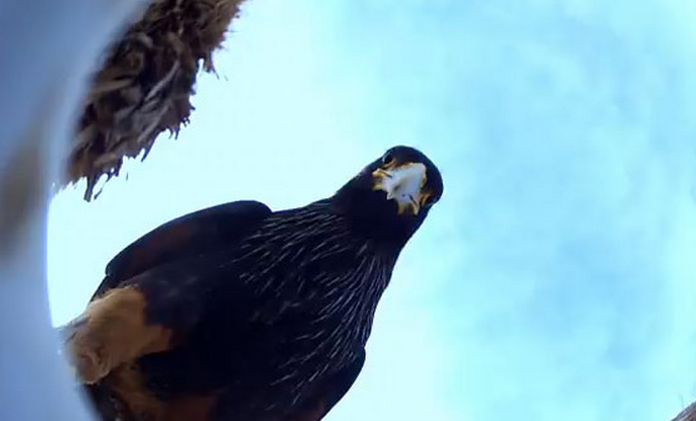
(429, 201)
(388, 159)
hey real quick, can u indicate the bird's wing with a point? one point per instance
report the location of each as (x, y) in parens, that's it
(152, 312)
(183, 237)
(330, 392)
(156, 289)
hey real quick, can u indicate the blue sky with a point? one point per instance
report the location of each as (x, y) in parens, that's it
(556, 278)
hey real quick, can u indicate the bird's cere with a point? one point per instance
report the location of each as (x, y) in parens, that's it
(403, 183)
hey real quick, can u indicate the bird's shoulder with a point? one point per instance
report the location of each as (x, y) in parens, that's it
(190, 235)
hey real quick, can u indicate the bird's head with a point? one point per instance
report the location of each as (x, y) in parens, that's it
(390, 198)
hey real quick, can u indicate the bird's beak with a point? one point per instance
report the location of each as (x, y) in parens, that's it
(403, 183)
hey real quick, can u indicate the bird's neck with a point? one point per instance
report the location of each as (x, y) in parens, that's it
(383, 232)
(329, 222)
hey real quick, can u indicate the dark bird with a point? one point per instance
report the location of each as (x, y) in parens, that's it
(238, 313)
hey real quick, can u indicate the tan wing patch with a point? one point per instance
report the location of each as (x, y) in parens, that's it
(113, 331)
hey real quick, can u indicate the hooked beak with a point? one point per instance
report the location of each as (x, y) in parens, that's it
(403, 183)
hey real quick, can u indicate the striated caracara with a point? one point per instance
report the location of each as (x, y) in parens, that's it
(238, 313)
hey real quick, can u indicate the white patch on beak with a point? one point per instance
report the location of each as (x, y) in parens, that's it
(403, 184)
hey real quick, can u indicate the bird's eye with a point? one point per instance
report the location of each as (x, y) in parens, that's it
(429, 201)
(388, 159)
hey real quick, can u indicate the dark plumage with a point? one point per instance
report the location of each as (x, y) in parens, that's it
(238, 313)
